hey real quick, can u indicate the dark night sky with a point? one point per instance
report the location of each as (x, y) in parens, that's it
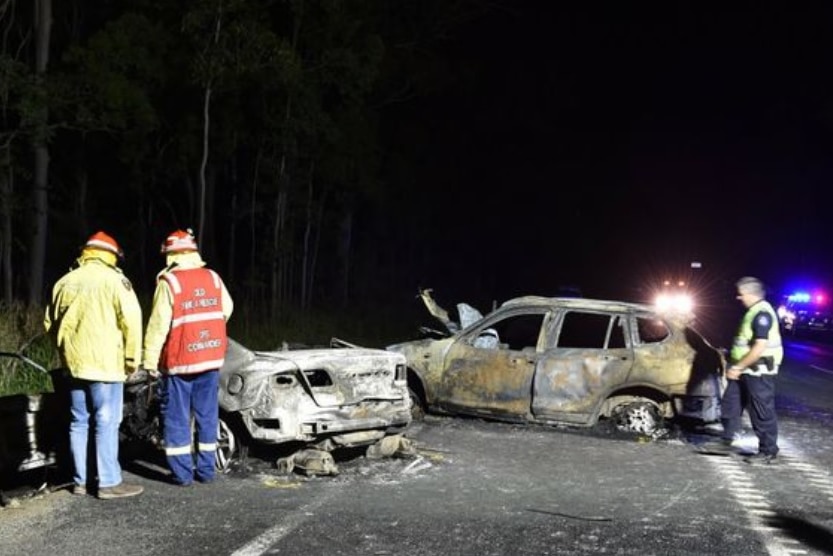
(606, 144)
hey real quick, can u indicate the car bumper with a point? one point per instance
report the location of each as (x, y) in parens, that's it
(342, 422)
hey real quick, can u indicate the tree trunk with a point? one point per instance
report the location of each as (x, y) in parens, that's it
(206, 103)
(81, 200)
(6, 246)
(345, 244)
(253, 222)
(316, 244)
(40, 198)
(275, 290)
(232, 240)
(305, 255)
(206, 106)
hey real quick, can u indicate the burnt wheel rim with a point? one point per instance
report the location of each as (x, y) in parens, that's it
(226, 446)
(638, 418)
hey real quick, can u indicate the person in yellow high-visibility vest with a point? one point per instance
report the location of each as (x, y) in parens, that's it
(756, 355)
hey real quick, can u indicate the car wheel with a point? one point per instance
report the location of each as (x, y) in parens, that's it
(638, 418)
(417, 406)
(226, 446)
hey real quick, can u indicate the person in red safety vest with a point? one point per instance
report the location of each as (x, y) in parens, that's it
(185, 342)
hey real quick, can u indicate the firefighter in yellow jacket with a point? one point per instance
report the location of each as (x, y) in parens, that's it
(186, 342)
(96, 321)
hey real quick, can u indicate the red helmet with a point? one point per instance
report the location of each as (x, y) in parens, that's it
(179, 241)
(104, 242)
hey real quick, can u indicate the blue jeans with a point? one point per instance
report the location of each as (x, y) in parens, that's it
(96, 405)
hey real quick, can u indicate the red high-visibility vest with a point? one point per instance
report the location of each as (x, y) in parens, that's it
(197, 339)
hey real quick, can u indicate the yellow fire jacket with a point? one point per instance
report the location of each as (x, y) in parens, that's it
(161, 314)
(96, 320)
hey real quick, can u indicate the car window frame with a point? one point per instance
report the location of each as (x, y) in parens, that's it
(475, 329)
(637, 339)
(613, 316)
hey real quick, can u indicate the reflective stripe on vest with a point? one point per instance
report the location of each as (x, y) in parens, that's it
(197, 340)
(745, 336)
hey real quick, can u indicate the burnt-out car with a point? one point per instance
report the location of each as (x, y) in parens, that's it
(311, 401)
(322, 398)
(571, 361)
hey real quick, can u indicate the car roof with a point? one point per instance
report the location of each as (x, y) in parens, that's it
(592, 304)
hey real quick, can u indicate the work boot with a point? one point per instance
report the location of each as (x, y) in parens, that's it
(121, 490)
(80, 490)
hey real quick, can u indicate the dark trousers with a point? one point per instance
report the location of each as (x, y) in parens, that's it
(731, 408)
(185, 397)
(757, 394)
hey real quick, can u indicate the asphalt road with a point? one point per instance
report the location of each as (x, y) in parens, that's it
(482, 488)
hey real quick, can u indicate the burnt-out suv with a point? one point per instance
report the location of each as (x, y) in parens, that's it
(569, 361)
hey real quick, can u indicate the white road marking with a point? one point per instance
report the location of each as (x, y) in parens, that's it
(758, 510)
(822, 369)
(289, 522)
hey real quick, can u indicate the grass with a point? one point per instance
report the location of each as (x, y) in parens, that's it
(21, 332)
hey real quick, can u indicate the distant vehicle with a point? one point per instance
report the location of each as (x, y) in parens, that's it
(803, 311)
(674, 297)
(572, 361)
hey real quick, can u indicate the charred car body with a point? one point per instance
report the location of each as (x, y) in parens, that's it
(324, 398)
(567, 361)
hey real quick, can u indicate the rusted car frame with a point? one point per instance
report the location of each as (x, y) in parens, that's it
(567, 361)
(324, 398)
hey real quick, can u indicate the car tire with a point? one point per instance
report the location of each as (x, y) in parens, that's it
(417, 406)
(638, 417)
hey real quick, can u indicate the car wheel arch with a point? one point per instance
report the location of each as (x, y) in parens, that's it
(634, 394)
(419, 398)
(637, 410)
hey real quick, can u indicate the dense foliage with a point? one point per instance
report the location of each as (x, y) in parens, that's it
(271, 128)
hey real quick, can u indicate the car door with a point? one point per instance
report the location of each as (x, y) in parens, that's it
(489, 369)
(590, 355)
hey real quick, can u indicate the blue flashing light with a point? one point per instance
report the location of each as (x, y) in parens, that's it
(799, 297)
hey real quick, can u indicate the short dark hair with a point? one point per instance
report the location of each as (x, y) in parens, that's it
(750, 284)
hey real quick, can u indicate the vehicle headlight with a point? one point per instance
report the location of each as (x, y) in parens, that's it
(674, 303)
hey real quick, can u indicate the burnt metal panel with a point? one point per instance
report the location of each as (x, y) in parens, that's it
(570, 382)
(489, 381)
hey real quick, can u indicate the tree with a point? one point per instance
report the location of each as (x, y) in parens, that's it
(13, 79)
(40, 145)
